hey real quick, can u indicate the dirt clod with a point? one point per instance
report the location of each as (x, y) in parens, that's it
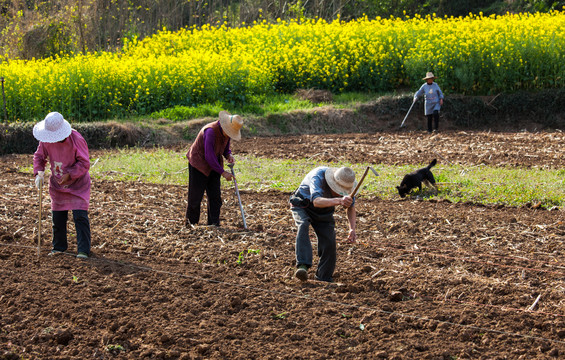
(63, 337)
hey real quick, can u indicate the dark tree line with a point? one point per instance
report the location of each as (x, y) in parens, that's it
(37, 29)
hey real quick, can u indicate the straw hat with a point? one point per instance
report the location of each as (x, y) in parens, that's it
(429, 75)
(341, 180)
(231, 125)
(53, 129)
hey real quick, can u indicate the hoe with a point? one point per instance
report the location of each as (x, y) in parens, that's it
(238, 197)
(406, 117)
(39, 220)
(363, 178)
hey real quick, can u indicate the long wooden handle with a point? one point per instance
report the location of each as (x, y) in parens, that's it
(406, 117)
(39, 222)
(359, 183)
(238, 197)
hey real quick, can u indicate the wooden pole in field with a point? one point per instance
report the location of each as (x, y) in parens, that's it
(4, 98)
(238, 197)
(39, 222)
(406, 117)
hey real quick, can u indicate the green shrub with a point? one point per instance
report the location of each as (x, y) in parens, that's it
(17, 138)
(179, 112)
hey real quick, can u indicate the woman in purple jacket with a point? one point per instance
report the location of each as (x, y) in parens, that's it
(206, 166)
(69, 183)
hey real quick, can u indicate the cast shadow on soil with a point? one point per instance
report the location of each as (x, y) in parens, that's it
(109, 267)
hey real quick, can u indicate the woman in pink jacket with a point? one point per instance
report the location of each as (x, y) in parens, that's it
(69, 183)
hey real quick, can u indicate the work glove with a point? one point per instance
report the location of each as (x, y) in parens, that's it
(39, 178)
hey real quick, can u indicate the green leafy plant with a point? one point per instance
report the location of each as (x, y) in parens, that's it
(114, 348)
(241, 255)
(240, 258)
(280, 316)
(180, 112)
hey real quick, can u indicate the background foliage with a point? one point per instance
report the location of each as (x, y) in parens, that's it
(39, 28)
(237, 68)
(544, 109)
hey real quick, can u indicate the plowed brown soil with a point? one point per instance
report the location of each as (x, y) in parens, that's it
(427, 280)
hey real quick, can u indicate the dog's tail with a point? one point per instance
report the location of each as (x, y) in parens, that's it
(432, 164)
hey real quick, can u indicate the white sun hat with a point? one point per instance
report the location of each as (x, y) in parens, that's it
(341, 180)
(231, 125)
(53, 129)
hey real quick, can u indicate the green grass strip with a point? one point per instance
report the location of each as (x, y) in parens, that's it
(510, 186)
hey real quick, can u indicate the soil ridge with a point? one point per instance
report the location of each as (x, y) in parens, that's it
(522, 111)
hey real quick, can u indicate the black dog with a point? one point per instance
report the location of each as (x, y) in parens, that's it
(415, 179)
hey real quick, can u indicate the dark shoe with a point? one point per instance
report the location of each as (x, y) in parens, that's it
(302, 273)
(54, 252)
(330, 280)
(82, 255)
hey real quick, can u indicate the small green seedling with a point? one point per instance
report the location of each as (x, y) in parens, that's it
(113, 347)
(241, 255)
(343, 334)
(280, 316)
(240, 258)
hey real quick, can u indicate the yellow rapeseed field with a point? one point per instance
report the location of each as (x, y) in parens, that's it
(474, 54)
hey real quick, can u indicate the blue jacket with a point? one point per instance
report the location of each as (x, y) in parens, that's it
(432, 95)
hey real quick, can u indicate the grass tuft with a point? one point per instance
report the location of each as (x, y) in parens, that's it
(509, 186)
(482, 184)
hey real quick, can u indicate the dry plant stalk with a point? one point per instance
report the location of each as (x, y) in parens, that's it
(315, 96)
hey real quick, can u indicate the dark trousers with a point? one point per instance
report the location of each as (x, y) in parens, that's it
(324, 227)
(82, 226)
(197, 184)
(435, 117)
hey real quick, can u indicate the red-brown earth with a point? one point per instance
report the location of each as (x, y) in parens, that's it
(426, 280)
